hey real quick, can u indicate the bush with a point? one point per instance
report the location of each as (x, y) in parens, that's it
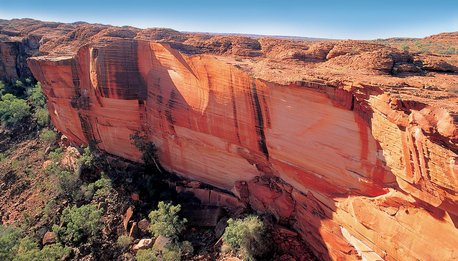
(405, 47)
(13, 110)
(78, 224)
(54, 252)
(148, 149)
(100, 188)
(48, 136)
(2, 88)
(36, 96)
(246, 237)
(87, 159)
(123, 241)
(166, 222)
(171, 252)
(9, 237)
(12, 247)
(3, 156)
(56, 155)
(69, 184)
(54, 167)
(146, 255)
(41, 117)
(28, 250)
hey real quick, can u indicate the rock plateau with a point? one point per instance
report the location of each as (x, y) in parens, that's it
(353, 144)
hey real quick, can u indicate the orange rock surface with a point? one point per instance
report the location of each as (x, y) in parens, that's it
(352, 147)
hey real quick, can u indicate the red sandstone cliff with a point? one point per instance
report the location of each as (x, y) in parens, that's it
(353, 144)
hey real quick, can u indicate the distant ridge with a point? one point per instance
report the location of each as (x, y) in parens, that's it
(285, 37)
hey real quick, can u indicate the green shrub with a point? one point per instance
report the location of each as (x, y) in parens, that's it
(54, 252)
(246, 237)
(69, 185)
(41, 117)
(123, 241)
(18, 84)
(56, 155)
(48, 136)
(9, 237)
(78, 224)
(2, 88)
(15, 164)
(166, 222)
(146, 255)
(88, 191)
(28, 250)
(49, 211)
(405, 47)
(87, 159)
(148, 149)
(171, 252)
(36, 96)
(3, 156)
(13, 110)
(100, 188)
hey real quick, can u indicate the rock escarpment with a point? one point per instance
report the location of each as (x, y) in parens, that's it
(360, 163)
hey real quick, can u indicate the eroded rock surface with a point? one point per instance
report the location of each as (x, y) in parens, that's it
(320, 135)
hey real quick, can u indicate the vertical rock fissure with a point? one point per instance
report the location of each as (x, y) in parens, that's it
(352, 106)
(81, 102)
(234, 109)
(259, 120)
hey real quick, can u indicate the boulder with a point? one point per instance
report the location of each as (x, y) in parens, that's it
(143, 225)
(161, 242)
(144, 243)
(49, 238)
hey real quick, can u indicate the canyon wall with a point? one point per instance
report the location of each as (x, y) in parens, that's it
(357, 172)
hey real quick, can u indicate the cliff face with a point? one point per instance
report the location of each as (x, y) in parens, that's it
(353, 144)
(355, 170)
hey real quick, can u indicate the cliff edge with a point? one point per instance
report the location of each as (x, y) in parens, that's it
(351, 143)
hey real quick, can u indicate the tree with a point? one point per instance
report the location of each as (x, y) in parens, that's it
(48, 136)
(124, 241)
(149, 150)
(41, 116)
(36, 96)
(87, 159)
(54, 252)
(13, 110)
(28, 250)
(247, 237)
(9, 237)
(78, 224)
(166, 222)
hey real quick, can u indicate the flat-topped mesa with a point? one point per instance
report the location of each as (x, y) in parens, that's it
(355, 170)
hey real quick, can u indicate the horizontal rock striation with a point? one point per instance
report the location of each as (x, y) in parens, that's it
(353, 144)
(357, 171)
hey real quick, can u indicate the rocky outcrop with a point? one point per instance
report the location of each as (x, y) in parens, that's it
(321, 135)
(13, 59)
(353, 169)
